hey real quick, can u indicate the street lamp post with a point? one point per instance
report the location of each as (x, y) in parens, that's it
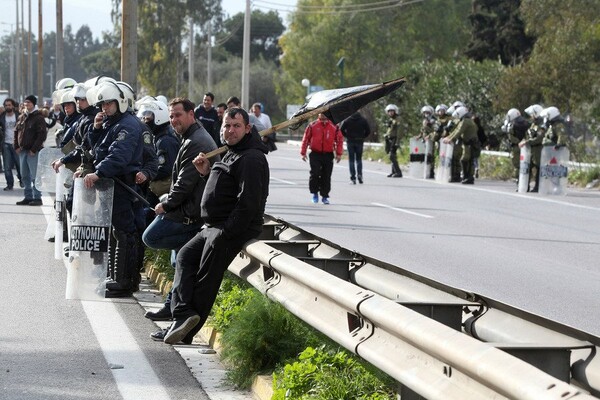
(51, 75)
(306, 83)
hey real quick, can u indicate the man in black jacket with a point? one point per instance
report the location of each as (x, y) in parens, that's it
(355, 129)
(178, 216)
(232, 209)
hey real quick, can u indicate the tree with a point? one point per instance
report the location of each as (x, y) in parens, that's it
(373, 39)
(498, 32)
(564, 65)
(265, 30)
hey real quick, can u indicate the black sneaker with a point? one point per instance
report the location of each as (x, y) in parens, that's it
(21, 184)
(180, 328)
(8, 188)
(159, 336)
(24, 202)
(36, 203)
(164, 314)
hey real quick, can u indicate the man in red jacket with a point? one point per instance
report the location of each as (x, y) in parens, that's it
(326, 142)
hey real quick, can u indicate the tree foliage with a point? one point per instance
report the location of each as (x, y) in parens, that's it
(444, 82)
(498, 32)
(563, 69)
(374, 41)
(265, 30)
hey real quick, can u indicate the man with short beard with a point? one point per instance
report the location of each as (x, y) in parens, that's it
(8, 123)
(30, 135)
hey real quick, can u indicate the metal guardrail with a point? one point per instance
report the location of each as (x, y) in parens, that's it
(438, 342)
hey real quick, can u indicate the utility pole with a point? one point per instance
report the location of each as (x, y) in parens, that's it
(60, 43)
(191, 57)
(209, 57)
(40, 65)
(129, 43)
(29, 56)
(17, 93)
(246, 59)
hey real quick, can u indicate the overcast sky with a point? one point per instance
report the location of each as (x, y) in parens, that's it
(96, 13)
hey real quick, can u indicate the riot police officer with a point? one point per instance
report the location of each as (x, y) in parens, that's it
(553, 126)
(117, 147)
(466, 132)
(516, 127)
(533, 139)
(393, 137)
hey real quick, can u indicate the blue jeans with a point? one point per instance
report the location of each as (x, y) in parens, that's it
(355, 150)
(11, 160)
(28, 172)
(166, 234)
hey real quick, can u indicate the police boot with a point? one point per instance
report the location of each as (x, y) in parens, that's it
(136, 277)
(467, 173)
(536, 187)
(124, 261)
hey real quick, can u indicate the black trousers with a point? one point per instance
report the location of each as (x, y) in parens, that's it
(201, 264)
(321, 167)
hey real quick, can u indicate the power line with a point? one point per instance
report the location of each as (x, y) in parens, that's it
(341, 9)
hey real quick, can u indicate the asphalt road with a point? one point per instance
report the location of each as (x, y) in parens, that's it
(538, 253)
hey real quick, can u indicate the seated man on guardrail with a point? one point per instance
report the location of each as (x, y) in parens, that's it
(232, 208)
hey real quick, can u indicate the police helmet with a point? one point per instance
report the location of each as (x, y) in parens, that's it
(162, 99)
(129, 93)
(108, 91)
(392, 107)
(95, 81)
(80, 92)
(460, 112)
(158, 108)
(550, 113)
(534, 110)
(441, 108)
(512, 114)
(67, 97)
(65, 83)
(427, 110)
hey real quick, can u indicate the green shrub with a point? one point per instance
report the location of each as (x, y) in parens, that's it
(231, 300)
(495, 167)
(581, 177)
(161, 260)
(260, 337)
(323, 373)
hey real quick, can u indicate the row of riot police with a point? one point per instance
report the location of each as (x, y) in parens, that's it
(458, 126)
(543, 127)
(103, 139)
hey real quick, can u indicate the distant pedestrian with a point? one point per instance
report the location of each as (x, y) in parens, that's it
(30, 135)
(265, 120)
(326, 143)
(355, 129)
(8, 123)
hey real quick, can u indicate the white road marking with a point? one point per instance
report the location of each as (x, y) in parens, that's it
(283, 181)
(136, 379)
(402, 210)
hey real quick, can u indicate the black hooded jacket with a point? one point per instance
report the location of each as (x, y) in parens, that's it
(237, 188)
(355, 127)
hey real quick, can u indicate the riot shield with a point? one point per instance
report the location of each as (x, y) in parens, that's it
(553, 170)
(62, 177)
(444, 171)
(524, 167)
(45, 178)
(429, 146)
(417, 158)
(89, 240)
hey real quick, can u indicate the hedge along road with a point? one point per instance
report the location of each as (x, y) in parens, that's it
(538, 253)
